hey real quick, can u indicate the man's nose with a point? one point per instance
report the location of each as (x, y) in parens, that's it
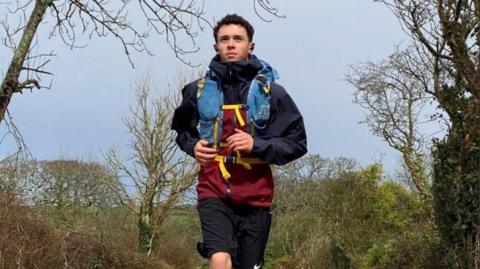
(231, 44)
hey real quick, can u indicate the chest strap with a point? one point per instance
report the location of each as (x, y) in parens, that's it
(245, 162)
(237, 112)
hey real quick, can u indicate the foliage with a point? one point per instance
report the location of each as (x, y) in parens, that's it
(457, 186)
(394, 94)
(157, 175)
(327, 214)
(28, 242)
(354, 218)
(446, 35)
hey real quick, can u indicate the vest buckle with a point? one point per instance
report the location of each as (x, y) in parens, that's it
(229, 159)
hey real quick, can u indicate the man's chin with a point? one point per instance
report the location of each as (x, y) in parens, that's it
(236, 59)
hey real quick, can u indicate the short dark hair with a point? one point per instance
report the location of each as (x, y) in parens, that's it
(234, 19)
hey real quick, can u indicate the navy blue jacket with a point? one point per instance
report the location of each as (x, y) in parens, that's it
(285, 138)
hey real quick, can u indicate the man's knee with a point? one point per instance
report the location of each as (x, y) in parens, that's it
(220, 260)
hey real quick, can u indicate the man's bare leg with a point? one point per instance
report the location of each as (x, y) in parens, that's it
(221, 260)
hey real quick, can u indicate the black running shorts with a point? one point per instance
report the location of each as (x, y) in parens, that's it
(242, 231)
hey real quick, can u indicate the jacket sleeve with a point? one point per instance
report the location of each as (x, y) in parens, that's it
(285, 139)
(185, 120)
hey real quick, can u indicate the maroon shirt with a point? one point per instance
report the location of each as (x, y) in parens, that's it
(283, 141)
(253, 187)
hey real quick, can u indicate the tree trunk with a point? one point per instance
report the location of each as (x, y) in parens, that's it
(456, 188)
(10, 82)
(146, 225)
(145, 230)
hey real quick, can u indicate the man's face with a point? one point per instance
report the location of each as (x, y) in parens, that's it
(232, 43)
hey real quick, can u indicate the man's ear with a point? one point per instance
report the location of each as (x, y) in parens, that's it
(215, 47)
(252, 47)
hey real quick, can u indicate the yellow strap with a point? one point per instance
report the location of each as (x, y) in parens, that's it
(223, 145)
(200, 86)
(215, 133)
(237, 106)
(239, 117)
(245, 162)
(237, 112)
(225, 174)
(266, 89)
(240, 161)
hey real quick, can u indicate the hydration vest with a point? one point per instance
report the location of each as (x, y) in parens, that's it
(211, 106)
(211, 109)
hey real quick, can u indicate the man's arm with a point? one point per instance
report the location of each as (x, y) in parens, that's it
(185, 120)
(286, 139)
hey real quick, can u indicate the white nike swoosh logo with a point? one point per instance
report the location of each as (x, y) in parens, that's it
(257, 266)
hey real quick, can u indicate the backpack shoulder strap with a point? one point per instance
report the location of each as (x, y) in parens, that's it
(265, 77)
(209, 75)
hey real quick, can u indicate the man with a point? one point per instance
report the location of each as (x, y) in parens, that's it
(235, 122)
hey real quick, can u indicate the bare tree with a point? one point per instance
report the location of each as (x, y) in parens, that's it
(14, 166)
(63, 190)
(158, 174)
(70, 20)
(446, 32)
(313, 167)
(394, 93)
(62, 183)
(17, 177)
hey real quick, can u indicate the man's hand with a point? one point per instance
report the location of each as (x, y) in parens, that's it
(240, 141)
(203, 153)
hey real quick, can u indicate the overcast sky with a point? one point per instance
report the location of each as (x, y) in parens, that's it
(80, 116)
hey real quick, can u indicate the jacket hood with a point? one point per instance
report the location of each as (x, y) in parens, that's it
(234, 72)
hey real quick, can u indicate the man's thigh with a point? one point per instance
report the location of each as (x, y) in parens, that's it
(252, 238)
(217, 227)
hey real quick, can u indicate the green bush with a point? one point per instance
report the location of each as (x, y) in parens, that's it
(355, 218)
